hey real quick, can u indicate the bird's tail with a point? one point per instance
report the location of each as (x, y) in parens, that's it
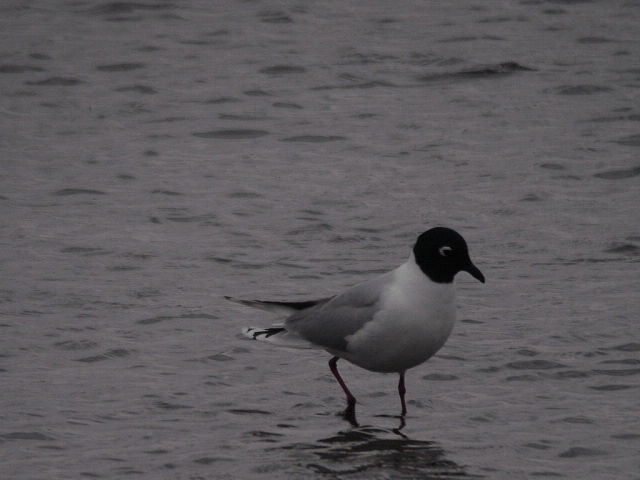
(276, 334)
(262, 333)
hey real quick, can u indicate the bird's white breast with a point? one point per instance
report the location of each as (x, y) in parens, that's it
(415, 318)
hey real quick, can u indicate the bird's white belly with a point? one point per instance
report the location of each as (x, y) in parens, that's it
(406, 332)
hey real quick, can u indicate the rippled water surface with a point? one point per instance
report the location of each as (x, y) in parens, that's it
(155, 156)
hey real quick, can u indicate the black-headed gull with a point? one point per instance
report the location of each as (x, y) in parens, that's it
(387, 324)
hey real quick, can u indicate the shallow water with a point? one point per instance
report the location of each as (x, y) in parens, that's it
(156, 156)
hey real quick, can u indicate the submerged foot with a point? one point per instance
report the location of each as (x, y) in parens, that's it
(349, 414)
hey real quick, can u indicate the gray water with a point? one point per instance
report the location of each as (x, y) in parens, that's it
(155, 156)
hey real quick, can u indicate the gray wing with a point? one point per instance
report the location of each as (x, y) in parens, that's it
(327, 324)
(286, 308)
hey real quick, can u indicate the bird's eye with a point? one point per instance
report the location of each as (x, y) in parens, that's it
(445, 251)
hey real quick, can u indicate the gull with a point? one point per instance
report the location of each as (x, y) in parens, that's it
(387, 324)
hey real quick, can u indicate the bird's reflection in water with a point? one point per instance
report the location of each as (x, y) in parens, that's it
(373, 452)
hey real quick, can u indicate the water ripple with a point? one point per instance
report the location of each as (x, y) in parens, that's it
(620, 174)
(314, 138)
(26, 436)
(534, 365)
(56, 82)
(277, 70)
(9, 68)
(108, 355)
(580, 89)
(574, 452)
(120, 67)
(368, 452)
(232, 134)
(490, 71)
(77, 191)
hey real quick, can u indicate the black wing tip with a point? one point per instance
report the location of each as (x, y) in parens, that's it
(268, 332)
(302, 305)
(262, 333)
(241, 301)
(298, 305)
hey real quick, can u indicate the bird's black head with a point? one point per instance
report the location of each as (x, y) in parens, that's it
(441, 253)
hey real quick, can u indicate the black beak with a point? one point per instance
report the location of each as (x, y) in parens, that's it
(472, 270)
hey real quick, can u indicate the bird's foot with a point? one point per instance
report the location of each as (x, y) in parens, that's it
(349, 414)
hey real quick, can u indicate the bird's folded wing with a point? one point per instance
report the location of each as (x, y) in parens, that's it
(329, 324)
(281, 308)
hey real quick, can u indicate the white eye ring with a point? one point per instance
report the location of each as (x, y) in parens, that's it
(445, 251)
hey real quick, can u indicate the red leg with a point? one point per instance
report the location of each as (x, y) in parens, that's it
(351, 400)
(402, 391)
